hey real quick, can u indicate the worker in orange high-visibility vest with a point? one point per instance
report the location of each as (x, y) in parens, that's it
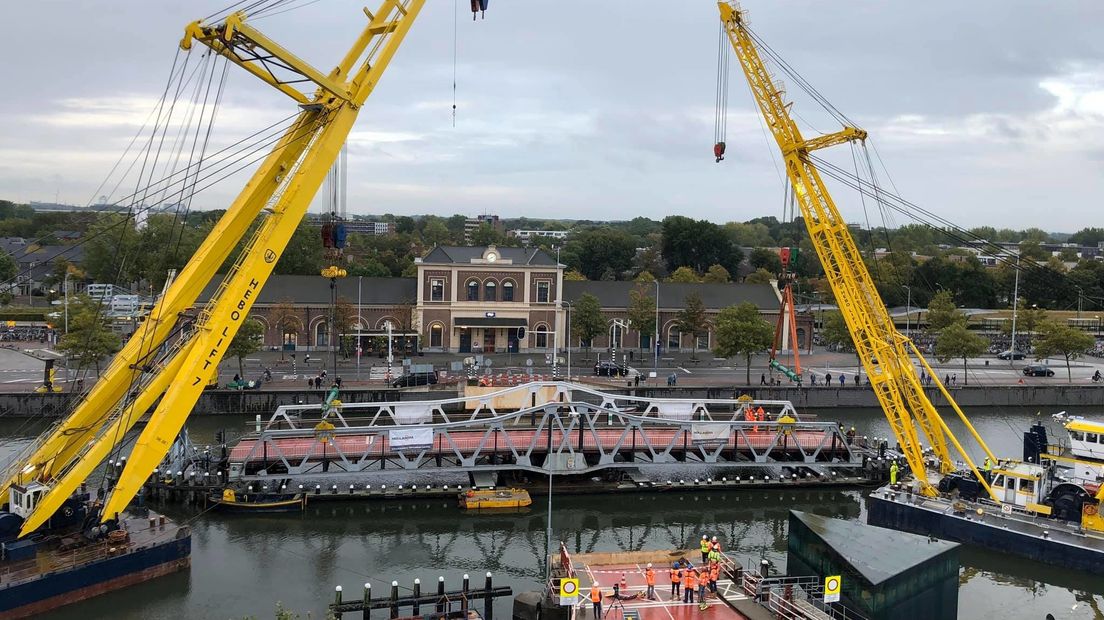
(714, 575)
(596, 600)
(676, 581)
(649, 578)
(689, 584)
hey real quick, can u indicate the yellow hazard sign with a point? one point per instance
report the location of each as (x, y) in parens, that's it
(569, 587)
(832, 585)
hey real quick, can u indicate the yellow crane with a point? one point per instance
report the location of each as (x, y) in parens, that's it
(176, 357)
(885, 353)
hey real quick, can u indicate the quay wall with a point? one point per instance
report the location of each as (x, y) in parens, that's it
(1048, 398)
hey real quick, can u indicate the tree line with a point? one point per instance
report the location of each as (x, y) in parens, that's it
(908, 264)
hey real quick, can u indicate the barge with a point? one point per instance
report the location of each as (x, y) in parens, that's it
(1048, 509)
(76, 558)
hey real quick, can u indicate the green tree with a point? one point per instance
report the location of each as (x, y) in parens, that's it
(601, 253)
(691, 319)
(90, 338)
(717, 275)
(1058, 339)
(303, 254)
(8, 268)
(697, 244)
(489, 235)
(246, 342)
(741, 330)
(834, 331)
(572, 275)
(942, 312)
(642, 311)
(759, 276)
(436, 232)
(644, 276)
(587, 320)
(286, 319)
(762, 258)
(956, 341)
(344, 317)
(1090, 237)
(685, 275)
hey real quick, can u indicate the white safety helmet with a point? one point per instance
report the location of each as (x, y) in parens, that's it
(714, 539)
(704, 537)
(649, 564)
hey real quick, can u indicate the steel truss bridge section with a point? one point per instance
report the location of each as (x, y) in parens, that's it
(558, 438)
(529, 395)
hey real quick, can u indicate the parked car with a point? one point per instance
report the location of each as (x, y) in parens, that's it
(1011, 355)
(606, 368)
(415, 378)
(1037, 370)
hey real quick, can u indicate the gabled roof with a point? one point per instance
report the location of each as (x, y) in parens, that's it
(315, 290)
(876, 553)
(673, 294)
(463, 255)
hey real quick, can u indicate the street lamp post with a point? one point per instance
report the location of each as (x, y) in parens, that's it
(655, 345)
(65, 290)
(567, 343)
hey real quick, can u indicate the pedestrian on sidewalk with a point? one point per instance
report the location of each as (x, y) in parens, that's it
(763, 379)
(842, 380)
(828, 379)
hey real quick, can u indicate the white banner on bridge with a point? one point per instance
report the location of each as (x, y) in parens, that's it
(411, 439)
(709, 435)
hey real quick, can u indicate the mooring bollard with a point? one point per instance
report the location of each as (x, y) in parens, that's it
(367, 601)
(441, 594)
(417, 593)
(394, 599)
(337, 601)
(488, 602)
(464, 599)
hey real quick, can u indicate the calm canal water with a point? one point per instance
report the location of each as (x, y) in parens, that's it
(243, 565)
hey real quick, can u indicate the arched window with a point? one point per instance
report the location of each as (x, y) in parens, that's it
(473, 290)
(490, 291)
(436, 335)
(674, 338)
(321, 334)
(508, 290)
(541, 336)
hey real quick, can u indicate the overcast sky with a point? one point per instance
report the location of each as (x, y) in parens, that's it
(986, 112)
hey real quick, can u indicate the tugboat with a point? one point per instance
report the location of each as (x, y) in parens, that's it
(1050, 501)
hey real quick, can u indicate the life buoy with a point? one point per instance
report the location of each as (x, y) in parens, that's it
(1090, 510)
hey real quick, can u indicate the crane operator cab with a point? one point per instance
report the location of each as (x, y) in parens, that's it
(22, 500)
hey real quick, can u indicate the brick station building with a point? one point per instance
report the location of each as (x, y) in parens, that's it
(480, 299)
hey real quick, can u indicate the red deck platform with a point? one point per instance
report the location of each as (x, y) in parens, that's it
(665, 607)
